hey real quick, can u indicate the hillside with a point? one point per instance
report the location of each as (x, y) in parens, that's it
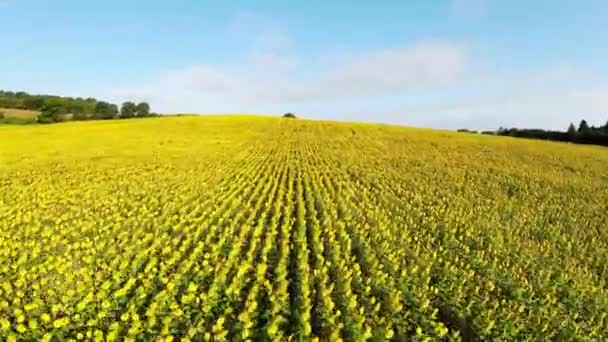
(18, 115)
(264, 228)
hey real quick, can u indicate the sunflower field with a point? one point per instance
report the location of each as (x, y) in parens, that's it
(266, 229)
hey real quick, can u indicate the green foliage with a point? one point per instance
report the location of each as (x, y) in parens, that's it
(143, 109)
(59, 108)
(52, 114)
(464, 130)
(17, 121)
(585, 134)
(105, 110)
(33, 103)
(583, 127)
(128, 110)
(22, 100)
(80, 116)
(572, 131)
(289, 115)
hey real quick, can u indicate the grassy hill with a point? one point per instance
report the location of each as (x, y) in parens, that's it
(9, 115)
(264, 228)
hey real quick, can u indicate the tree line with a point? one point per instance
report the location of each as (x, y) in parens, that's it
(58, 108)
(583, 134)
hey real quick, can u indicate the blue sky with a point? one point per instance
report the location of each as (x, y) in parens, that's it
(448, 64)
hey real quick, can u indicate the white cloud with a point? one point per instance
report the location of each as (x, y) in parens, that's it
(269, 78)
(546, 98)
(551, 109)
(268, 62)
(426, 64)
(428, 83)
(597, 99)
(202, 79)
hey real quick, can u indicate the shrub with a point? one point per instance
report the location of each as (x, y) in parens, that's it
(464, 130)
(51, 114)
(289, 115)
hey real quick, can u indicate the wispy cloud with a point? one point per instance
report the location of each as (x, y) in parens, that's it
(390, 71)
(418, 79)
(428, 83)
(268, 78)
(552, 110)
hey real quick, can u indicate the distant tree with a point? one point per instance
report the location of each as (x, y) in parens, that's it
(33, 103)
(466, 130)
(585, 134)
(289, 115)
(128, 110)
(76, 108)
(51, 114)
(79, 116)
(89, 106)
(572, 131)
(583, 127)
(606, 127)
(105, 110)
(113, 109)
(143, 109)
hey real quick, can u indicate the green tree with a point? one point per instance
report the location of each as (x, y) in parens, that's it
(113, 109)
(143, 109)
(77, 107)
(572, 131)
(105, 110)
(79, 116)
(583, 127)
(51, 114)
(33, 103)
(128, 110)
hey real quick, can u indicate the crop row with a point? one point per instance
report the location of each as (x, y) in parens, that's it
(301, 230)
